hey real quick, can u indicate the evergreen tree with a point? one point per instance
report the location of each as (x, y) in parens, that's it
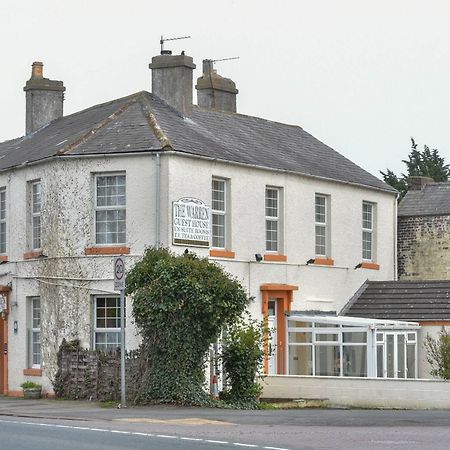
(425, 163)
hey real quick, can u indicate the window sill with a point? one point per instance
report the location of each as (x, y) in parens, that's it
(107, 250)
(3, 258)
(32, 372)
(370, 266)
(323, 262)
(221, 253)
(34, 254)
(276, 258)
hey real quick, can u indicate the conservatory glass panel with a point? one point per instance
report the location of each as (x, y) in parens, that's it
(380, 364)
(295, 337)
(327, 360)
(359, 337)
(401, 356)
(354, 360)
(300, 360)
(390, 355)
(411, 360)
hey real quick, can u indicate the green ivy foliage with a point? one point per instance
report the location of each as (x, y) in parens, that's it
(180, 305)
(438, 354)
(242, 357)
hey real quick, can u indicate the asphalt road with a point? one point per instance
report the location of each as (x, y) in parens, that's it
(82, 425)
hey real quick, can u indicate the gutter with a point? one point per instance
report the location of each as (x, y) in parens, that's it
(170, 150)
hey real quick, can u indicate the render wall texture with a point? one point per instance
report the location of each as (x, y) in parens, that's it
(361, 392)
(424, 248)
(67, 279)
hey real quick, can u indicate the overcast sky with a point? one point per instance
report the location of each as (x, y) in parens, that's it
(361, 76)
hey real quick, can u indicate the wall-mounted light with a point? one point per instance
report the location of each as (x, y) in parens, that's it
(16, 327)
(358, 266)
(310, 261)
(258, 257)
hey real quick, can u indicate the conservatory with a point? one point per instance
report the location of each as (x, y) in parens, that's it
(342, 346)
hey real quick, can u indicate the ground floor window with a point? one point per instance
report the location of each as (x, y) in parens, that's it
(351, 347)
(106, 323)
(35, 333)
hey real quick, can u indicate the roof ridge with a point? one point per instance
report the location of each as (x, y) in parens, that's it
(99, 126)
(248, 115)
(159, 133)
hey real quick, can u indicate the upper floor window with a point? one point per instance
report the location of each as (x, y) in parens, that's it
(110, 209)
(3, 220)
(321, 224)
(36, 208)
(272, 207)
(35, 332)
(368, 220)
(219, 213)
(106, 323)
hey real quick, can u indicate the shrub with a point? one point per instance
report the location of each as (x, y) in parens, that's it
(180, 304)
(242, 357)
(438, 354)
(30, 385)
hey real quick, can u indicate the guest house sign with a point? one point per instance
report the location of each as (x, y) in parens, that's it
(191, 221)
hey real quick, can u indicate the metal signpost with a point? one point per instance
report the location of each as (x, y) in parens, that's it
(119, 285)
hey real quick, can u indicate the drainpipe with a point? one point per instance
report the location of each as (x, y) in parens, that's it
(158, 200)
(395, 236)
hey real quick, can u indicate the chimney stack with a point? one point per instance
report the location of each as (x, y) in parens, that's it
(214, 91)
(44, 99)
(416, 183)
(172, 80)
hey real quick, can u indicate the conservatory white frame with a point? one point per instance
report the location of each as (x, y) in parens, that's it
(322, 328)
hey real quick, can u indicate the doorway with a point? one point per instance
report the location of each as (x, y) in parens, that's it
(276, 301)
(399, 355)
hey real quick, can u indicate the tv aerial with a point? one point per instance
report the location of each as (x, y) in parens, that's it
(163, 40)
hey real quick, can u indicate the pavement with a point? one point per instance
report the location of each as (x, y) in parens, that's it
(264, 429)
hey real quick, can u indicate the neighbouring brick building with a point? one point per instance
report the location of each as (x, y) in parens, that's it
(424, 231)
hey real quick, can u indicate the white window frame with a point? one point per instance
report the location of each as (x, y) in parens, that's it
(323, 225)
(273, 219)
(98, 208)
(222, 213)
(368, 231)
(35, 332)
(3, 223)
(36, 215)
(104, 330)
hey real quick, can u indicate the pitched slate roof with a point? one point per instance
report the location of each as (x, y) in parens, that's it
(432, 200)
(142, 122)
(401, 300)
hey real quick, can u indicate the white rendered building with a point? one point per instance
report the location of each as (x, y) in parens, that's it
(299, 224)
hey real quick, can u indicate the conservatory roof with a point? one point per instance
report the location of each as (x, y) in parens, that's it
(353, 321)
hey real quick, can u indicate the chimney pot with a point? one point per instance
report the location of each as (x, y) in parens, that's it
(37, 70)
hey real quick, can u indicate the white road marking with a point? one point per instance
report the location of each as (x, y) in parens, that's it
(136, 433)
(275, 448)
